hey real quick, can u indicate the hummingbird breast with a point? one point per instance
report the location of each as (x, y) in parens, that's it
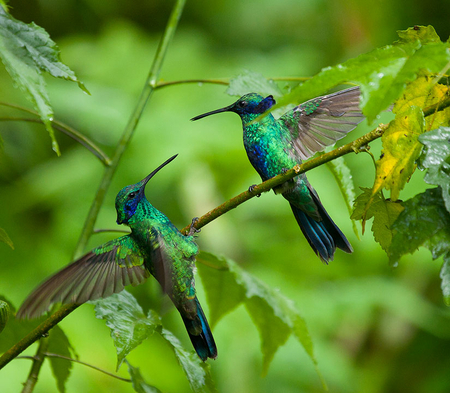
(268, 150)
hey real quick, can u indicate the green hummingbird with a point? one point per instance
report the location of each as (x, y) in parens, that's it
(275, 145)
(154, 246)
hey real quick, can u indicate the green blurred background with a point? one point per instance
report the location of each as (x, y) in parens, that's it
(375, 329)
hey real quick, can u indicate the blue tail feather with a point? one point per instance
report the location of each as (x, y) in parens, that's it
(203, 343)
(323, 236)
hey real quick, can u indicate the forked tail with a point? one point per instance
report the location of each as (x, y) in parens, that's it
(323, 236)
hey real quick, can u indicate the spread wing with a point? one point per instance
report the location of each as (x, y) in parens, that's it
(105, 270)
(322, 121)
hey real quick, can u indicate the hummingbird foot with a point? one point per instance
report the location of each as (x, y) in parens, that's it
(192, 229)
(251, 188)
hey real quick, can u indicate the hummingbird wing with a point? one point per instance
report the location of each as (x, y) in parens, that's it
(103, 271)
(322, 121)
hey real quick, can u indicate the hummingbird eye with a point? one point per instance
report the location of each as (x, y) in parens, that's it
(242, 104)
(132, 194)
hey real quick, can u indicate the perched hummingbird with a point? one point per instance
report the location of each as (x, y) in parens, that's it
(275, 145)
(154, 246)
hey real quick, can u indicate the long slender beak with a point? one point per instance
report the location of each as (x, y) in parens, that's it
(226, 109)
(143, 182)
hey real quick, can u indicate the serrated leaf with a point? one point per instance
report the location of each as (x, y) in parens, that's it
(344, 180)
(436, 159)
(139, 385)
(423, 222)
(273, 314)
(197, 372)
(5, 238)
(58, 343)
(26, 51)
(445, 277)
(384, 213)
(425, 34)
(130, 326)
(401, 148)
(4, 314)
(127, 321)
(381, 73)
(252, 82)
(425, 92)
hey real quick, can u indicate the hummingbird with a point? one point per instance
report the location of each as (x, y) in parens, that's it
(276, 145)
(154, 247)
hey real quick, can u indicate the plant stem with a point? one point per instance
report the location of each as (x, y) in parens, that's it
(147, 91)
(36, 333)
(354, 147)
(38, 360)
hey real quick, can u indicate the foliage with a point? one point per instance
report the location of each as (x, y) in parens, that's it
(26, 51)
(408, 72)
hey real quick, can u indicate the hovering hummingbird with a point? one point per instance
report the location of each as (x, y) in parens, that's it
(275, 145)
(154, 246)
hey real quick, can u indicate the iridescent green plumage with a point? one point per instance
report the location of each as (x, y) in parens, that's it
(274, 145)
(154, 246)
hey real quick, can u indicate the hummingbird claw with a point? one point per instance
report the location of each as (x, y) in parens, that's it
(192, 229)
(251, 188)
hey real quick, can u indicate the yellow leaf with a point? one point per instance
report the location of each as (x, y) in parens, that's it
(401, 148)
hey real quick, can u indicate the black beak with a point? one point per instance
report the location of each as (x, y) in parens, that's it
(226, 109)
(143, 182)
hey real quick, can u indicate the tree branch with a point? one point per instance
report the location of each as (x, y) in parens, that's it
(232, 203)
(36, 333)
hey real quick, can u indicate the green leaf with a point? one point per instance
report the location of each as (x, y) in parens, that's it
(344, 180)
(401, 148)
(436, 159)
(445, 277)
(139, 385)
(5, 238)
(384, 213)
(130, 326)
(273, 314)
(381, 73)
(423, 222)
(127, 321)
(197, 372)
(4, 314)
(217, 280)
(252, 82)
(26, 51)
(59, 344)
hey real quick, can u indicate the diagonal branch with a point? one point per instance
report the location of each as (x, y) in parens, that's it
(352, 147)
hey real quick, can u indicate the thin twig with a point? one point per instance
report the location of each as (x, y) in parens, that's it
(38, 360)
(102, 230)
(55, 355)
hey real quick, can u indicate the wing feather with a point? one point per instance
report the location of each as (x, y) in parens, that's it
(322, 121)
(98, 274)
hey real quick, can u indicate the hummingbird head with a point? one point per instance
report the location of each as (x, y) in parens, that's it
(248, 107)
(130, 197)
